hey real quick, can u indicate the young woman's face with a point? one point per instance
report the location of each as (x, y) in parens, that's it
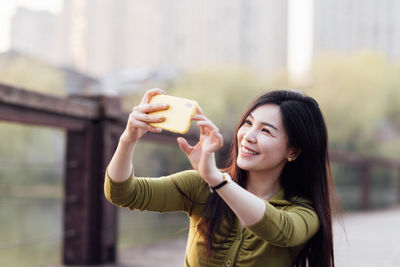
(262, 141)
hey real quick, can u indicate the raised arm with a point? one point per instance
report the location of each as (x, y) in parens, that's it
(120, 167)
(247, 206)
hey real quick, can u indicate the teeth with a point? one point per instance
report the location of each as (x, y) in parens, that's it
(245, 150)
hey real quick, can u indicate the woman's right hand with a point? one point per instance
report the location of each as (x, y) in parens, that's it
(139, 119)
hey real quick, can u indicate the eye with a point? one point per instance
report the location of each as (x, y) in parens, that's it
(247, 122)
(266, 130)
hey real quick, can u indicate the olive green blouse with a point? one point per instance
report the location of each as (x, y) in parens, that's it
(274, 241)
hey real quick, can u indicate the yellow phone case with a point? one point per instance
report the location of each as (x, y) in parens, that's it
(177, 116)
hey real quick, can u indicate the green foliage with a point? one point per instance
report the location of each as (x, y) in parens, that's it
(30, 73)
(360, 97)
(29, 156)
(24, 149)
(152, 160)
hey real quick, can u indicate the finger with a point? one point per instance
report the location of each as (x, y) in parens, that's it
(209, 124)
(218, 136)
(150, 93)
(196, 117)
(201, 118)
(204, 121)
(146, 117)
(203, 130)
(136, 124)
(184, 145)
(148, 108)
(199, 110)
(215, 142)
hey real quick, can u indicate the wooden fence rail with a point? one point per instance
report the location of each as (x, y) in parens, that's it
(366, 163)
(93, 125)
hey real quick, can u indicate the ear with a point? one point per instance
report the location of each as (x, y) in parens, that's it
(294, 153)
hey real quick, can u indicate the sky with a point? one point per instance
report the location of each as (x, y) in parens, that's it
(7, 10)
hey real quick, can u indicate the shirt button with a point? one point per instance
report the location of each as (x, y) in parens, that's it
(228, 263)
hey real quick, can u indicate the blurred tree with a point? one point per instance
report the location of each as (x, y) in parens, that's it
(360, 97)
(23, 144)
(30, 73)
(30, 155)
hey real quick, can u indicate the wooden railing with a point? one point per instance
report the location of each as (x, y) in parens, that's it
(93, 125)
(367, 163)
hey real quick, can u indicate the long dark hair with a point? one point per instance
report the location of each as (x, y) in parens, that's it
(309, 176)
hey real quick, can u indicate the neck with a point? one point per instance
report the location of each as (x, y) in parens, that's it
(263, 185)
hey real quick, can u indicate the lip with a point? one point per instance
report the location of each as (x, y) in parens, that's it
(246, 154)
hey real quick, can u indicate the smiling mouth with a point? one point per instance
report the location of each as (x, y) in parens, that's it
(246, 151)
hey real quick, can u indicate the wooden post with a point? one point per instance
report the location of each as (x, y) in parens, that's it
(109, 216)
(365, 186)
(90, 223)
(77, 205)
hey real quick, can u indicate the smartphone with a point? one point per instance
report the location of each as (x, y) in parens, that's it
(179, 114)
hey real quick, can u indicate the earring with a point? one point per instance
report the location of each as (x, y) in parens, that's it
(290, 159)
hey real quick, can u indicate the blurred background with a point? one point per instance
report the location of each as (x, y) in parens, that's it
(344, 53)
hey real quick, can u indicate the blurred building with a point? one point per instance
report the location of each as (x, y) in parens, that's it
(35, 33)
(102, 36)
(348, 25)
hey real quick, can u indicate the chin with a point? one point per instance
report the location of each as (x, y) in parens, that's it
(244, 166)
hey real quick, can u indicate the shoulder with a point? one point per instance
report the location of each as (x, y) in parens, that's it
(304, 209)
(298, 199)
(295, 204)
(301, 202)
(281, 201)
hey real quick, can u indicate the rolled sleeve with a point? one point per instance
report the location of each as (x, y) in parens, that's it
(154, 194)
(286, 228)
(117, 192)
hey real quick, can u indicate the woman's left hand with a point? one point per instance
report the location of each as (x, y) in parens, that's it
(201, 155)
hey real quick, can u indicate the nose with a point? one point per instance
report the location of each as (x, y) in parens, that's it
(249, 136)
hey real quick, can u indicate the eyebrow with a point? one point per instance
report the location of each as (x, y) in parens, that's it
(266, 123)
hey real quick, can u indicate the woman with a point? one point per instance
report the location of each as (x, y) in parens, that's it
(270, 207)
